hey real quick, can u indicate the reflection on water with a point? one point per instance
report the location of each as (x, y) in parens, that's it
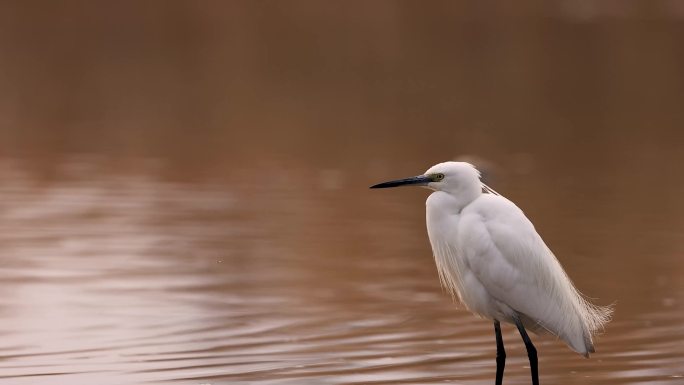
(128, 276)
(217, 227)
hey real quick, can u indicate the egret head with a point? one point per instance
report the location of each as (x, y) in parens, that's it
(451, 177)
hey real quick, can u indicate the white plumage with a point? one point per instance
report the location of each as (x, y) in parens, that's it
(489, 256)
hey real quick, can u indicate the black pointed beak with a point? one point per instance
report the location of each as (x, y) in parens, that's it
(420, 180)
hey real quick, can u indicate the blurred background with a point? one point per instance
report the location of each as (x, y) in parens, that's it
(183, 185)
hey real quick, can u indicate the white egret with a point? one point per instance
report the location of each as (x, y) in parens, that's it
(489, 256)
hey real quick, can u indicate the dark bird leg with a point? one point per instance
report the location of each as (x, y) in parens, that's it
(500, 353)
(531, 352)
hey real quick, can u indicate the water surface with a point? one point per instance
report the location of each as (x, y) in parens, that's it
(120, 276)
(183, 186)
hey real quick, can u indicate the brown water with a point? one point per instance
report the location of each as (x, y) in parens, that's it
(293, 274)
(183, 186)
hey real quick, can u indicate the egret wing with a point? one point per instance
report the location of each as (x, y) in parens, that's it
(509, 258)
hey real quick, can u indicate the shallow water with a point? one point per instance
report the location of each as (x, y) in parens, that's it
(115, 275)
(183, 186)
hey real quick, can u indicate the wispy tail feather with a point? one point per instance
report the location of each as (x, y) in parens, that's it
(595, 319)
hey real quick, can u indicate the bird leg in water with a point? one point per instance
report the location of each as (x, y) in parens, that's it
(531, 351)
(500, 353)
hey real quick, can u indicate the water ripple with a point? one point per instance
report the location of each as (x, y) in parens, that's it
(139, 280)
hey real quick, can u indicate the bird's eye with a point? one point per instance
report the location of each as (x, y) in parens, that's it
(438, 177)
